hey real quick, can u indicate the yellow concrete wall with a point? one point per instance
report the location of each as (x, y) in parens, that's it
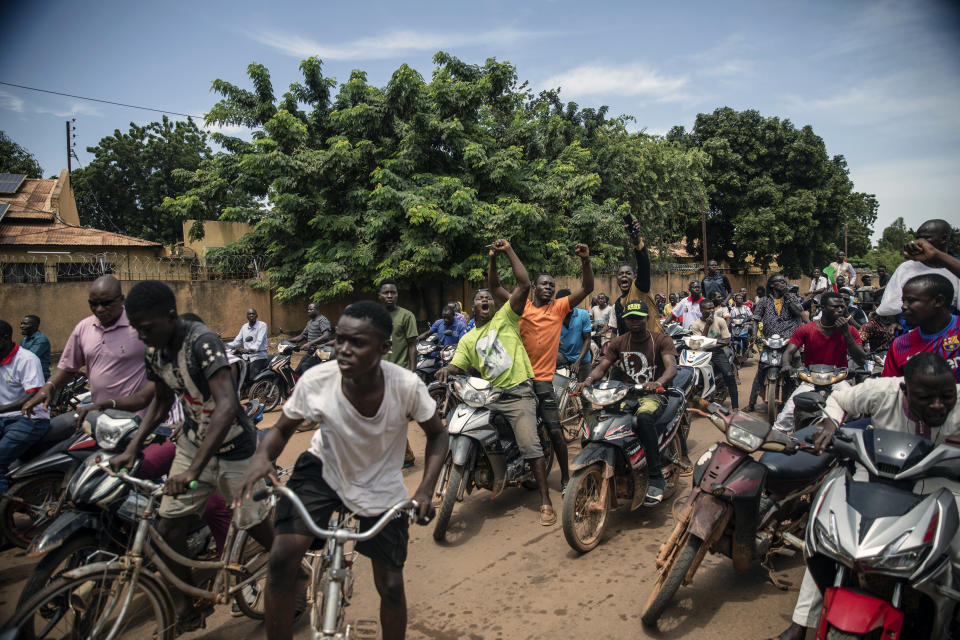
(217, 233)
(63, 201)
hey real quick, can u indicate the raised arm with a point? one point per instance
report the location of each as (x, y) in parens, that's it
(643, 258)
(586, 285)
(500, 295)
(518, 299)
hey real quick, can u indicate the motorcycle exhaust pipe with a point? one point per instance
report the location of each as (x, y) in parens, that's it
(793, 540)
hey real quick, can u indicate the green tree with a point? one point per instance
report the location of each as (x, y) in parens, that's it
(774, 192)
(123, 188)
(16, 159)
(889, 249)
(413, 180)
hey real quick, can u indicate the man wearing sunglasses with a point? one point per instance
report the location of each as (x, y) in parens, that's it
(108, 347)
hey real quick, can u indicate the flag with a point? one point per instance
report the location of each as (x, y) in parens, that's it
(831, 274)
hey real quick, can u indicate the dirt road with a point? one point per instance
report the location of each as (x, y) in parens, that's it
(501, 575)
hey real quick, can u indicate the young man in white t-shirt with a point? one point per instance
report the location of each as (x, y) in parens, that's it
(362, 406)
(21, 375)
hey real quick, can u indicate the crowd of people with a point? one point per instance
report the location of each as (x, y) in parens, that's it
(141, 355)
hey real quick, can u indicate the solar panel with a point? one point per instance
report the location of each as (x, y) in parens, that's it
(3, 210)
(10, 182)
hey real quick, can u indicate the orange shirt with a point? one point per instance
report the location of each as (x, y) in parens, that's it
(540, 331)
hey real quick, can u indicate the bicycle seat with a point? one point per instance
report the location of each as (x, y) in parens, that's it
(800, 465)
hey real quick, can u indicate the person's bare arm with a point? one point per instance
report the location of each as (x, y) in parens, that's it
(518, 298)
(855, 350)
(584, 350)
(134, 402)
(499, 293)
(922, 251)
(597, 372)
(786, 361)
(669, 370)
(16, 404)
(412, 353)
(269, 449)
(586, 284)
(434, 454)
(57, 380)
(445, 372)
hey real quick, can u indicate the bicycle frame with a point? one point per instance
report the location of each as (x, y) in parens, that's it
(338, 573)
(133, 559)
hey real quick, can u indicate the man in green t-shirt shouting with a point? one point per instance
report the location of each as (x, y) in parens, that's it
(494, 348)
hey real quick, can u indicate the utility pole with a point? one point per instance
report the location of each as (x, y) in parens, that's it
(69, 166)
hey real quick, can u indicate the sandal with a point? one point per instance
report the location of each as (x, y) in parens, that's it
(547, 515)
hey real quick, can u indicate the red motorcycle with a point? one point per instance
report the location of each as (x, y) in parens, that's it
(739, 507)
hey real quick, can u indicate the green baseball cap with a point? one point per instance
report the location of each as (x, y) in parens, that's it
(636, 308)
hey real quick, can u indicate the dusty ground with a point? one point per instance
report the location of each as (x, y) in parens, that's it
(502, 575)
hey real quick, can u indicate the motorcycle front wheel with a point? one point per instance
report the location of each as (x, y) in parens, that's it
(449, 498)
(584, 517)
(267, 393)
(29, 507)
(669, 582)
(835, 634)
(772, 401)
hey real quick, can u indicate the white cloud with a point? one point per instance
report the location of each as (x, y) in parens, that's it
(388, 45)
(75, 109)
(626, 80)
(11, 102)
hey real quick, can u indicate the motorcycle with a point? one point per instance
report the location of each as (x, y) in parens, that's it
(275, 383)
(611, 465)
(431, 356)
(70, 396)
(740, 340)
(880, 552)
(776, 387)
(806, 405)
(37, 480)
(568, 403)
(483, 448)
(739, 507)
(697, 356)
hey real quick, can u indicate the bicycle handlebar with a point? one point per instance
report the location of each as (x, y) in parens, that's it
(408, 505)
(146, 485)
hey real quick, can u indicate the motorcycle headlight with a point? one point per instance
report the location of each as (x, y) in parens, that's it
(743, 438)
(424, 348)
(893, 558)
(472, 396)
(110, 431)
(601, 397)
(830, 540)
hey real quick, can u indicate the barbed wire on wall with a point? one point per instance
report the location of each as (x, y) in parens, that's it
(80, 267)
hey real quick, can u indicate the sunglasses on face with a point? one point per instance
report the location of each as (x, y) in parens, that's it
(103, 303)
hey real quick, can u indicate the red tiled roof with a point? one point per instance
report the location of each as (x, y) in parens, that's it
(62, 235)
(31, 201)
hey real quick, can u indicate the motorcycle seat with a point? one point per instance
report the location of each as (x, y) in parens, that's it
(674, 402)
(807, 401)
(799, 465)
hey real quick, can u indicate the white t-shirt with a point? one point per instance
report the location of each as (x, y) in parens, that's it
(687, 312)
(20, 373)
(362, 457)
(740, 312)
(819, 283)
(892, 300)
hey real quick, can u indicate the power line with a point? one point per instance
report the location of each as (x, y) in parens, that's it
(118, 104)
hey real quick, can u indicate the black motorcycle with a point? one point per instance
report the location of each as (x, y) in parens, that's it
(37, 479)
(274, 384)
(611, 465)
(807, 405)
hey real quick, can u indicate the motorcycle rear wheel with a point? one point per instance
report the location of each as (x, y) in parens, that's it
(669, 582)
(29, 509)
(584, 521)
(772, 401)
(571, 420)
(449, 498)
(267, 393)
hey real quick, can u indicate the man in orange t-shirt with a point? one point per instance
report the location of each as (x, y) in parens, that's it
(540, 327)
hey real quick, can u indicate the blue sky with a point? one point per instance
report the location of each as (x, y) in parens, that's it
(878, 81)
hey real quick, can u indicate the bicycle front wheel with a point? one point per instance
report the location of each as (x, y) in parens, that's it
(91, 606)
(252, 557)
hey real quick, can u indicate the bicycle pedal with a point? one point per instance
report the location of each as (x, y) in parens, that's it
(367, 628)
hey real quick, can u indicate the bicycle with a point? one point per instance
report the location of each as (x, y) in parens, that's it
(331, 586)
(124, 595)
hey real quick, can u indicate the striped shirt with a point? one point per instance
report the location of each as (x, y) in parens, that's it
(945, 343)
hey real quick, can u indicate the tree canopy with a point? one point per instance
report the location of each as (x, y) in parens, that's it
(414, 179)
(16, 159)
(774, 192)
(123, 187)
